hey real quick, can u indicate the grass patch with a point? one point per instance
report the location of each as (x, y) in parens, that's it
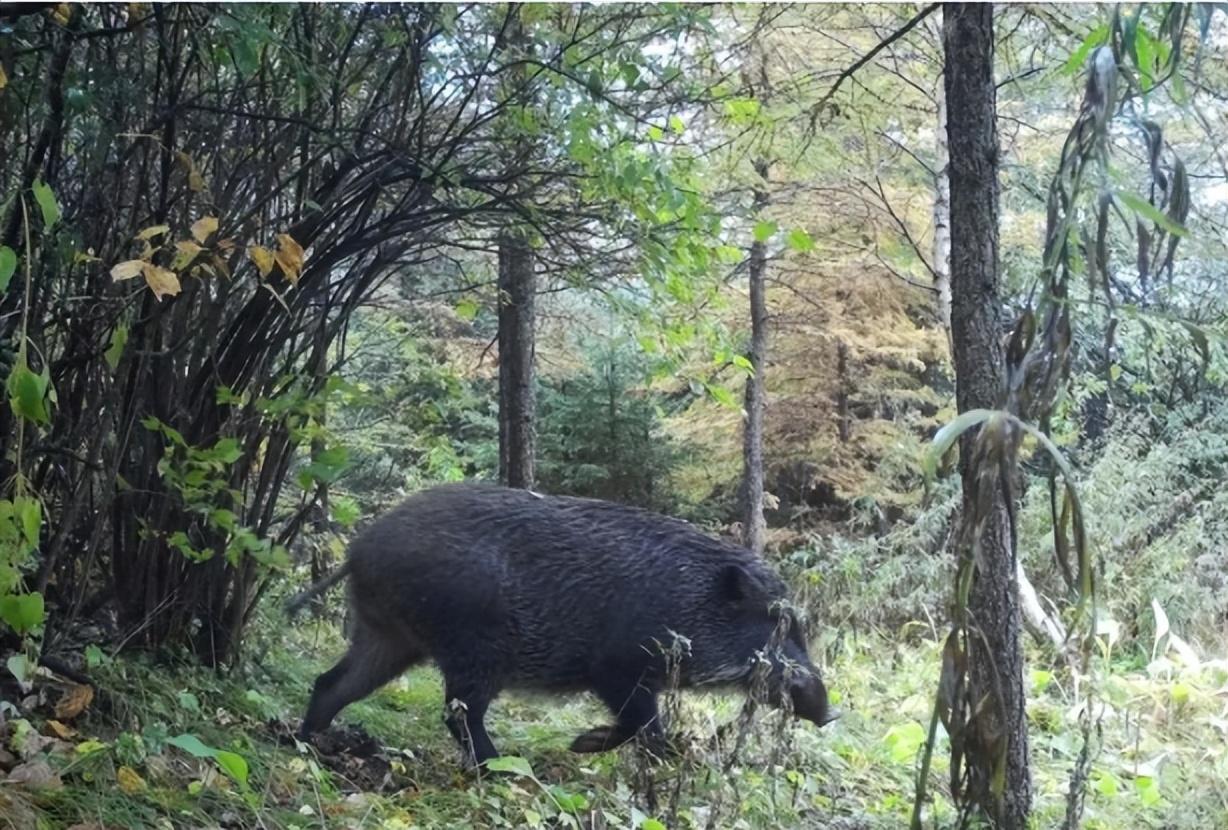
(1162, 762)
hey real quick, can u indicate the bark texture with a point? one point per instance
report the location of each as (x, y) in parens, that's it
(996, 658)
(754, 527)
(517, 387)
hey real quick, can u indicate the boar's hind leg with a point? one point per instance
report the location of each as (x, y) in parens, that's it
(636, 711)
(372, 661)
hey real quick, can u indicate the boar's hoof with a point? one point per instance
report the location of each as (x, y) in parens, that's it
(603, 738)
(599, 739)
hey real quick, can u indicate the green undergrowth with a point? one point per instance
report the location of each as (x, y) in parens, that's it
(123, 762)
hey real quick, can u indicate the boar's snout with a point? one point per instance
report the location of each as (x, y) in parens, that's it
(810, 700)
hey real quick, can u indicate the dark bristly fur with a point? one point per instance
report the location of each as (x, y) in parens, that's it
(509, 589)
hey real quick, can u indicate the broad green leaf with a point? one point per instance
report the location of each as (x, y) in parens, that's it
(510, 763)
(800, 241)
(27, 394)
(119, 339)
(676, 125)
(764, 231)
(329, 465)
(22, 612)
(1096, 37)
(233, 765)
(1106, 784)
(651, 824)
(467, 309)
(30, 512)
(1149, 211)
(46, 203)
(8, 265)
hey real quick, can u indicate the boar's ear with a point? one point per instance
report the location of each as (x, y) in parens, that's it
(736, 584)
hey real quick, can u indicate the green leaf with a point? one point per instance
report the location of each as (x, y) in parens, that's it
(245, 55)
(1096, 37)
(904, 740)
(329, 465)
(47, 203)
(722, 395)
(764, 231)
(119, 339)
(22, 612)
(1149, 211)
(800, 241)
(30, 512)
(1106, 784)
(233, 765)
(467, 309)
(651, 824)
(230, 763)
(27, 394)
(676, 125)
(8, 265)
(510, 763)
(949, 434)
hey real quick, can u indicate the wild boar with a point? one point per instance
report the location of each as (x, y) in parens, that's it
(507, 589)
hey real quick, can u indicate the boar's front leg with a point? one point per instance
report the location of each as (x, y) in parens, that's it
(635, 708)
(466, 702)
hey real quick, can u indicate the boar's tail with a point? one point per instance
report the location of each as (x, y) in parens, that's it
(296, 602)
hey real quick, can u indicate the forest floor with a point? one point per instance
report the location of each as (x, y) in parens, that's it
(165, 746)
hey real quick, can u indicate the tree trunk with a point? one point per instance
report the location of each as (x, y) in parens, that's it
(754, 527)
(517, 393)
(994, 650)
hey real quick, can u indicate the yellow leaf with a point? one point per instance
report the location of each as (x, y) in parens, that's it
(151, 232)
(129, 781)
(196, 182)
(187, 251)
(161, 281)
(127, 270)
(75, 700)
(262, 257)
(4, 79)
(289, 256)
(61, 14)
(203, 227)
(60, 730)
